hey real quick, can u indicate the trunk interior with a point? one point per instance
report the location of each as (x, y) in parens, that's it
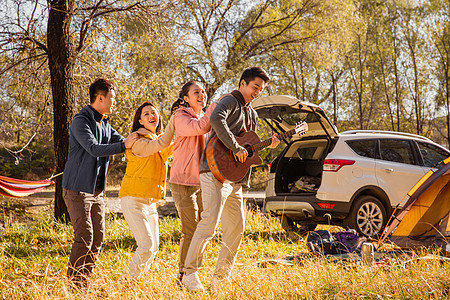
(299, 167)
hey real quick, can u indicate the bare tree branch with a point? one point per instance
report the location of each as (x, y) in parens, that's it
(221, 19)
(15, 64)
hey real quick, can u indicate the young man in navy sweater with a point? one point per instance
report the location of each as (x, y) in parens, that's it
(91, 141)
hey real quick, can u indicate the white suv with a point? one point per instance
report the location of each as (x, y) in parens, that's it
(354, 178)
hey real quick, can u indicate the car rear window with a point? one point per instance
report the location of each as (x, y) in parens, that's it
(307, 152)
(397, 150)
(293, 119)
(365, 148)
(431, 154)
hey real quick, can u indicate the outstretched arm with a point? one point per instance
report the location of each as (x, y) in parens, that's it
(82, 132)
(187, 125)
(144, 147)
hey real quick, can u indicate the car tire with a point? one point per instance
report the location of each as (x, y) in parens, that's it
(291, 226)
(368, 216)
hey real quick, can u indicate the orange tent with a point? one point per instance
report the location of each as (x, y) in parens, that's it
(424, 220)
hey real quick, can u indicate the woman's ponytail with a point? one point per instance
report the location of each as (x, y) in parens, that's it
(177, 104)
(183, 92)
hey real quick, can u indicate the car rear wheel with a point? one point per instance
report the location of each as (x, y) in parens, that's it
(292, 226)
(368, 216)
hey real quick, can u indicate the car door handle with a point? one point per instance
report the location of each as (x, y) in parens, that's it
(389, 170)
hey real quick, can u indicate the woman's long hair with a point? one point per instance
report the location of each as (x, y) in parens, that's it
(183, 92)
(137, 117)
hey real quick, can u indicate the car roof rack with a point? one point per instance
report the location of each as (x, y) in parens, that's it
(387, 132)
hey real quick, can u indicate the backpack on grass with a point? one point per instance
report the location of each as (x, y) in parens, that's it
(322, 242)
(349, 239)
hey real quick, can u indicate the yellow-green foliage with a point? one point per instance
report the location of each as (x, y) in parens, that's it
(34, 255)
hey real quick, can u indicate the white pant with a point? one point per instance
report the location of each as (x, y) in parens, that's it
(221, 202)
(143, 221)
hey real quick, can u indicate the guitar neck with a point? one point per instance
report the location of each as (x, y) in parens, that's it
(266, 143)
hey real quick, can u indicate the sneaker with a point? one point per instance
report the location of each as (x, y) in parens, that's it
(192, 283)
(219, 283)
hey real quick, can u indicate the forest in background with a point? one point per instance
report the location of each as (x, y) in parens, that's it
(369, 64)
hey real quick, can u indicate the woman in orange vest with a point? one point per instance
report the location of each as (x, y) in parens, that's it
(144, 184)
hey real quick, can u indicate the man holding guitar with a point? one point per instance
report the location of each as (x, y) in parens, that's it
(222, 198)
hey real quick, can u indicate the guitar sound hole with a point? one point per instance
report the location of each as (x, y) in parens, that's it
(249, 150)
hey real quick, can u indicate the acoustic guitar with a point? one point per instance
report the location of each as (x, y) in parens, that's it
(225, 166)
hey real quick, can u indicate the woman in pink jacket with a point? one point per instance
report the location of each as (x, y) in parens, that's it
(191, 126)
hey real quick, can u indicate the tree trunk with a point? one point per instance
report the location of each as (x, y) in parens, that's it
(397, 88)
(447, 100)
(446, 93)
(61, 60)
(333, 82)
(360, 95)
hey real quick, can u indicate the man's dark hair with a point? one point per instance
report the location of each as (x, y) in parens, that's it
(100, 86)
(250, 74)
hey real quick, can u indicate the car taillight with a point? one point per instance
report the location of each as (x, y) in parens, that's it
(326, 205)
(334, 165)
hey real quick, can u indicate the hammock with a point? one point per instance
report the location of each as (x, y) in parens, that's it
(11, 187)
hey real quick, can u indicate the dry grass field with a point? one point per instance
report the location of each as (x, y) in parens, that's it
(34, 254)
